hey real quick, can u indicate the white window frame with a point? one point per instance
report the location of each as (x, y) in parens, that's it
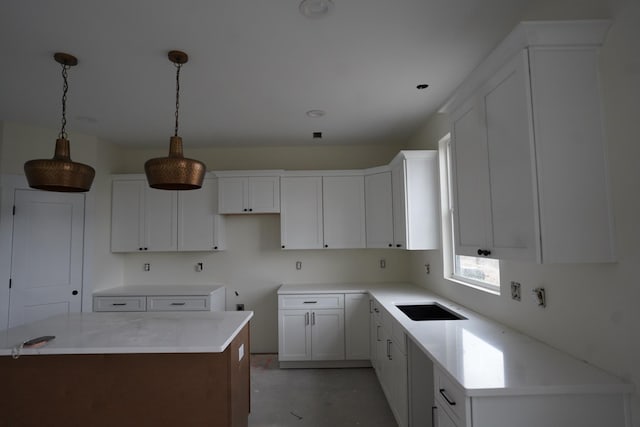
(446, 203)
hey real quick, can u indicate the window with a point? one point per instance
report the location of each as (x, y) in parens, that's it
(482, 273)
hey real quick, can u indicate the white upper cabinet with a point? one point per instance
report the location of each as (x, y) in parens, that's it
(322, 212)
(379, 209)
(142, 218)
(200, 228)
(343, 212)
(415, 193)
(529, 164)
(301, 224)
(248, 194)
(146, 219)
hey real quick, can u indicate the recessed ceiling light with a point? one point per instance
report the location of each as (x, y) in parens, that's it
(422, 86)
(315, 113)
(315, 8)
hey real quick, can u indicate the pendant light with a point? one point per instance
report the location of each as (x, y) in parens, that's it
(175, 172)
(60, 173)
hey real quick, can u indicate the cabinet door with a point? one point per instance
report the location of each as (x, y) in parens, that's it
(443, 419)
(379, 210)
(264, 194)
(160, 220)
(127, 216)
(470, 179)
(327, 334)
(199, 225)
(398, 384)
(294, 335)
(399, 207)
(301, 215)
(233, 195)
(343, 209)
(356, 326)
(507, 104)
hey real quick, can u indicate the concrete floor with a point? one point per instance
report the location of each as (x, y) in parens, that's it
(315, 397)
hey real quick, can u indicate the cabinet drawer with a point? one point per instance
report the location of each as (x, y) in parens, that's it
(311, 301)
(196, 303)
(450, 396)
(119, 303)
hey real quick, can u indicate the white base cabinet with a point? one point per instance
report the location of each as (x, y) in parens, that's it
(390, 365)
(453, 407)
(161, 298)
(356, 326)
(310, 327)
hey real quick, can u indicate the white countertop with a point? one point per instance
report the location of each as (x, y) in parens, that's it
(158, 290)
(483, 356)
(146, 332)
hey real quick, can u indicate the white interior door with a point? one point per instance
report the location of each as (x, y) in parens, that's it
(46, 260)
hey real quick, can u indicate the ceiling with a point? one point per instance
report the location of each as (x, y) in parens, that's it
(255, 67)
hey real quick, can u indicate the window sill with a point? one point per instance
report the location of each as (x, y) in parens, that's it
(469, 284)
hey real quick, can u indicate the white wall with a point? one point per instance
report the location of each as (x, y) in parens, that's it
(592, 310)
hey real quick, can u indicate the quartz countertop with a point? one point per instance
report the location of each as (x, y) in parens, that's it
(133, 332)
(483, 356)
(158, 290)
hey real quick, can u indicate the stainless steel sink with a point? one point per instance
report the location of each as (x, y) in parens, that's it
(431, 311)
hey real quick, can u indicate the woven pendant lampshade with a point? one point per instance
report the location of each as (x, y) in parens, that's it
(175, 172)
(60, 173)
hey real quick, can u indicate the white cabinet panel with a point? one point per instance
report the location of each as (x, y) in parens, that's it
(327, 334)
(416, 193)
(294, 335)
(200, 228)
(254, 194)
(379, 210)
(161, 220)
(142, 218)
(343, 212)
(356, 326)
(301, 225)
(132, 303)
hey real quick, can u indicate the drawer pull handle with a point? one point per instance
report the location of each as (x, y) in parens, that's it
(444, 394)
(310, 302)
(119, 303)
(177, 303)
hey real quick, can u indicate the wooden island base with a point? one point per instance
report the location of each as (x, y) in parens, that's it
(154, 389)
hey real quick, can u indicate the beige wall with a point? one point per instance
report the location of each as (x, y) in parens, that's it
(592, 309)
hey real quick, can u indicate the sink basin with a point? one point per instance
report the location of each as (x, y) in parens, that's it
(430, 311)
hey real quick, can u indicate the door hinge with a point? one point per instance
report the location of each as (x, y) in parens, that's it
(9, 282)
(14, 209)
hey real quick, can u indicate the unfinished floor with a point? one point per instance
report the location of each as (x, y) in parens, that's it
(315, 397)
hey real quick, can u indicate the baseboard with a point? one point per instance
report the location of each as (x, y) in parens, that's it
(304, 364)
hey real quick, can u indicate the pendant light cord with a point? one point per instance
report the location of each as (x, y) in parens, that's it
(178, 66)
(65, 88)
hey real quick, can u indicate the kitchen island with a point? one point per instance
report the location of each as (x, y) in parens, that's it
(128, 369)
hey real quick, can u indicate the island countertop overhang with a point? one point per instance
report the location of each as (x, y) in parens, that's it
(126, 333)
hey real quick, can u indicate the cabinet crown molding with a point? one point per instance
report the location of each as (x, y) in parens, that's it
(587, 33)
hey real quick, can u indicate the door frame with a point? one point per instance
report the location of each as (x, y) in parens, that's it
(9, 183)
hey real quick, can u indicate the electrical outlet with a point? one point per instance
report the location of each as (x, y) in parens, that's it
(383, 263)
(298, 265)
(199, 267)
(541, 296)
(427, 268)
(515, 291)
(147, 266)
